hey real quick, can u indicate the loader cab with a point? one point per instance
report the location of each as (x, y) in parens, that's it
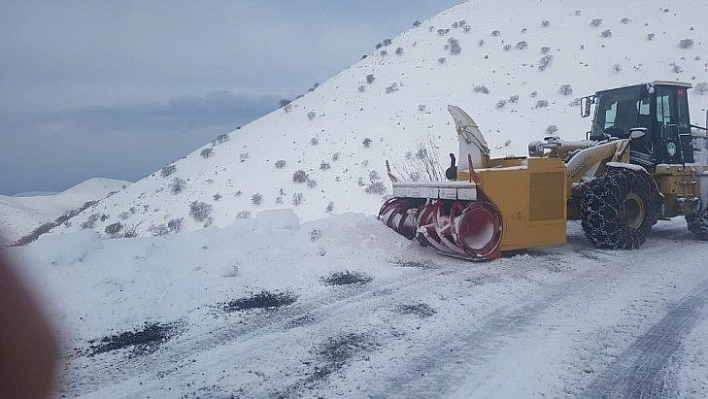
(659, 109)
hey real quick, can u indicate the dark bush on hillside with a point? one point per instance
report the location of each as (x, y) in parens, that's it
(177, 185)
(113, 228)
(130, 232)
(206, 153)
(158, 230)
(175, 225)
(168, 170)
(686, 43)
(300, 176)
(565, 90)
(200, 211)
(222, 138)
(480, 89)
(454, 45)
(545, 62)
(90, 222)
(376, 187)
(43, 229)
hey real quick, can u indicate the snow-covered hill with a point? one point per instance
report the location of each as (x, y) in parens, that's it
(514, 66)
(21, 214)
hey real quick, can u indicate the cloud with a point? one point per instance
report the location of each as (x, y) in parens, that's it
(83, 85)
(51, 151)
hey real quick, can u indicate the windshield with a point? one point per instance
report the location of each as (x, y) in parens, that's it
(617, 111)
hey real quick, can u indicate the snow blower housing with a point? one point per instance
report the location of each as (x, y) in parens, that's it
(641, 161)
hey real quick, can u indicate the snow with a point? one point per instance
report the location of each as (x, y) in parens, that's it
(559, 321)
(21, 214)
(283, 300)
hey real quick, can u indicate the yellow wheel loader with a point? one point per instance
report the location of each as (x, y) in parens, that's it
(642, 161)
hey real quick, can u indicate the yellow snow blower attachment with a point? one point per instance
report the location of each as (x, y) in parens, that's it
(490, 206)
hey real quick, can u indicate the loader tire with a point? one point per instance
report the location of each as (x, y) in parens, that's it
(619, 209)
(698, 223)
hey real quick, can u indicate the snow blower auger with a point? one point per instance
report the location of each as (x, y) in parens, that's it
(642, 161)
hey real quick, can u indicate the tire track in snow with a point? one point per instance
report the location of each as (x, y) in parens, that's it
(644, 369)
(464, 353)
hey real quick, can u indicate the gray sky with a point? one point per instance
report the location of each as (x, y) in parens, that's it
(118, 89)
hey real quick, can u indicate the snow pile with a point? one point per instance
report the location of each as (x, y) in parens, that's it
(516, 72)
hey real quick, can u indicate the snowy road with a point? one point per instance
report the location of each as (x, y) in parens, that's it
(561, 322)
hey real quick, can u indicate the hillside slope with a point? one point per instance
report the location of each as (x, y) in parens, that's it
(515, 67)
(20, 215)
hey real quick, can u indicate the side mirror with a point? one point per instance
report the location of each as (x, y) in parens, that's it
(637, 132)
(585, 103)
